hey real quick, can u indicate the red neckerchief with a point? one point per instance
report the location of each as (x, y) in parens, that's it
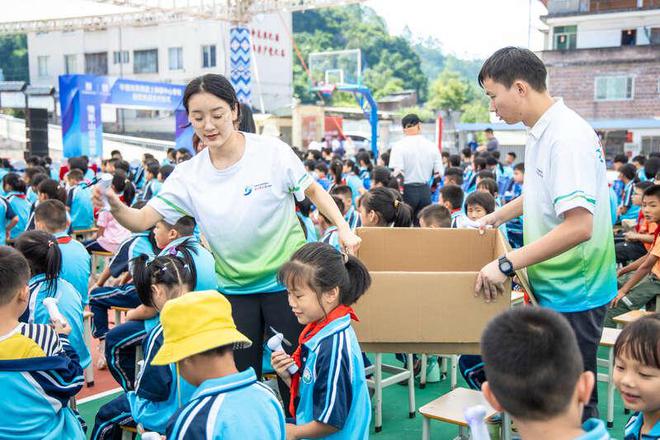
(640, 217)
(20, 196)
(453, 211)
(308, 333)
(64, 240)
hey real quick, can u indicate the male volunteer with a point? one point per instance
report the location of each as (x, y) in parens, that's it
(569, 249)
(419, 161)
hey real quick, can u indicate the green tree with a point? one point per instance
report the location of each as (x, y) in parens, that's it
(14, 57)
(475, 111)
(448, 92)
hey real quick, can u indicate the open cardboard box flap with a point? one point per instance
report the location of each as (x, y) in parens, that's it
(422, 293)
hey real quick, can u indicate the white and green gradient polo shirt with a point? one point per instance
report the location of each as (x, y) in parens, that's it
(246, 212)
(565, 169)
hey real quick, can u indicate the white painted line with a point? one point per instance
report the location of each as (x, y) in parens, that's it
(98, 396)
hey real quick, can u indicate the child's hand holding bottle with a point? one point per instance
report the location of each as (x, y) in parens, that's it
(281, 362)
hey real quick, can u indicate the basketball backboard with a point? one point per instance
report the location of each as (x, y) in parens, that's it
(335, 68)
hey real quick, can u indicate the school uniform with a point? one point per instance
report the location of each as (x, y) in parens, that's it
(633, 429)
(365, 175)
(594, 430)
(353, 218)
(458, 219)
(21, 207)
(76, 264)
(310, 229)
(331, 237)
(139, 177)
(355, 184)
(618, 187)
(6, 215)
(159, 392)
(633, 210)
(151, 189)
(39, 372)
(202, 259)
(70, 305)
(333, 387)
(79, 200)
(234, 407)
(89, 175)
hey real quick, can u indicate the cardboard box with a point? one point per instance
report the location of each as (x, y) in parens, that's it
(422, 295)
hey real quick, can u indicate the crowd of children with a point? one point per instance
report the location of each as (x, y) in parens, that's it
(189, 384)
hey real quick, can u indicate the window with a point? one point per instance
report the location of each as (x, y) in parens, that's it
(175, 56)
(96, 63)
(208, 56)
(628, 37)
(120, 57)
(650, 144)
(614, 88)
(655, 36)
(70, 66)
(565, 37)
(42, 65)
(145, 61)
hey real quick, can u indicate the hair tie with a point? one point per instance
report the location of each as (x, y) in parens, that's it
(172, 251)
(396, 204)
(50, 243)
(344, 257)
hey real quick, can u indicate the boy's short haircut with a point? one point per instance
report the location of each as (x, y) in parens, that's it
(640, 159)
(510, 64)
(496, 154)
(620, 158)
(310, 164)
(51, 213)
(14, 273)
(642, 186)
(165, 171)
(480, 164)
(486, 174)
(217, 351)
(340, 204)
(490, 161)
(75, 174)
(436, 215)
(512, 154)
(639, 341)
(153, 168)
(322, 167)
(485, 200)
(629, 171)
(467, 152)
(454, 160)
(77, 163)
(123, 165)
(341, 190)
(456, 173)
(488, 184)
(519, 167)
(185, 226)
(532, 362)
(452, 194)
(652, 191)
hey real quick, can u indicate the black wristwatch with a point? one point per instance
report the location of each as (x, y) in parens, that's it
(506, 267)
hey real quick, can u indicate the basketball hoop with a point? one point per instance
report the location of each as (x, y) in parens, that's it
(327, 90)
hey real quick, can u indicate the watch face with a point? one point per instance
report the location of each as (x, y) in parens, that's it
(505, 266)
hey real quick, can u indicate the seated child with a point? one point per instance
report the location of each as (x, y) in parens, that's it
(39, 370)
(489, 186)
(638, 242)
(382, 176)
(435, 216)
(330, 234)
(351, 215)
(153, 185)
(637, 376)
(329, 395)
(523, 349)
(8, 219)
(303, 210)
(514, 189)
(199, 336)
(33, 197)
(14, 189)
(451, 197)
(453, 176)
(640, 288)
(159, 391)
(480, 204)
(50, 216)
(385, 207)
(79, 200)
(45, 259)
(322, 175)
(627, 210)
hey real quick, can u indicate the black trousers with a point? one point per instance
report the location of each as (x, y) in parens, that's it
(628, 251)
(418, 196)
(254, 314)
(588, 328)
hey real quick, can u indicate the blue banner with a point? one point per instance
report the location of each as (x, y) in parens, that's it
(81, 97)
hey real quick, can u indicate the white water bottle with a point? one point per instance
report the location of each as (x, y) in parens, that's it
(474, 416)
(53, 311)
(148, 435)
(104, 182)
(275, 344)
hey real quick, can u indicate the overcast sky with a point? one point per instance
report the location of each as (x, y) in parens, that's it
(467, 28)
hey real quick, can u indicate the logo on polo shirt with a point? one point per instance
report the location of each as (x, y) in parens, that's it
(249, 189)
(539, 172)
(307, 376)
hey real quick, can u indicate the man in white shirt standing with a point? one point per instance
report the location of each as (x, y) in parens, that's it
(568, 244)
(419, 161)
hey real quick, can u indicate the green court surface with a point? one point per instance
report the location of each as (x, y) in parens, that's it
(397, 425)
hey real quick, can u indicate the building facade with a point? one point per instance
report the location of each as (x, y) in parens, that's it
(603, 59)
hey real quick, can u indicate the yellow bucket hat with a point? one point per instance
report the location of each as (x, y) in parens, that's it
(194, 323)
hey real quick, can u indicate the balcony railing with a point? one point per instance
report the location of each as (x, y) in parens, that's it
(561, 7)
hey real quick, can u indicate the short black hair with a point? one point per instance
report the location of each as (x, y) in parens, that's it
(454, 160)
(629, 171)
(640, 159)
(75, 174)
(490, 161)
(51, 213)
(436, 215)
(519, 167)
(153, 168)
(643, 185)
(341, 189)
(14, 273)
(165, 171)
(509, 64)
(485, 200)
(489, 184)
(456, 173)
(621, 158)
(185, 226)
(410, 120)
(652, 166)
(512, 154)
(340, 204)
(486, 174)
(652, 191)
(488, 130)
(523, 349)
(467, 152)
(452, 194)
(479, 163)
(639, 340)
